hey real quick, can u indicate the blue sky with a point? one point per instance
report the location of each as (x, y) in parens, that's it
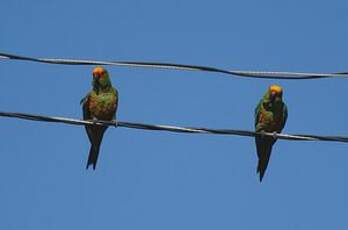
(158, 180)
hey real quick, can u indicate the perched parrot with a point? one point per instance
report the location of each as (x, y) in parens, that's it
(99, 104)
(270, 116)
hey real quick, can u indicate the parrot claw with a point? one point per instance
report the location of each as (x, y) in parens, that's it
(275, 135)
(262, 133)
(94, 121)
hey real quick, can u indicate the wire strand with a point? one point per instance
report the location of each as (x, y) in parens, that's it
(171, 66)
(176, 129)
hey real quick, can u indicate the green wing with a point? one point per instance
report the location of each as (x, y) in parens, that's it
(85, 112)
(285, 114)
(116, 95)
(257, 113)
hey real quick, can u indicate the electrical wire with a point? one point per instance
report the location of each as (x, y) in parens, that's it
(171, 66)
(176, 129)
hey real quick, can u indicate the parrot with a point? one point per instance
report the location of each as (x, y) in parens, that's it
(271, 114)
(99, 104)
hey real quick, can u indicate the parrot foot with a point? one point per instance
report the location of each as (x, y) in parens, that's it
(275, 135)
(94, 120)
(262, 134)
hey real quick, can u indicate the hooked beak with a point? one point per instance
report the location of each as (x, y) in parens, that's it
(96, 82)
(96, 76)
(273, 96)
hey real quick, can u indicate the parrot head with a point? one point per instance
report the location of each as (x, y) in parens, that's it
(101, 79)
(275, 93)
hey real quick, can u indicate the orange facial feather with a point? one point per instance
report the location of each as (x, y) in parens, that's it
(99, 71)
(276, 88)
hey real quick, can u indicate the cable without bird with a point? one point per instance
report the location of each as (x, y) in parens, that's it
(169, 128)
(171, 66)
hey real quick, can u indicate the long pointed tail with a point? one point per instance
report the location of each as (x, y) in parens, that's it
(262, 165)
(264, 149)
(95, 135)
(93, 156)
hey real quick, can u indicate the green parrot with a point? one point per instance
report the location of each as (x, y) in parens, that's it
(99, 104)
(270, 116)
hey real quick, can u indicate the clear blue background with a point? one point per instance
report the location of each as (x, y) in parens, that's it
(157, 180)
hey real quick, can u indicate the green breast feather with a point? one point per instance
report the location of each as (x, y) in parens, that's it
(270, 119)
(103, 105)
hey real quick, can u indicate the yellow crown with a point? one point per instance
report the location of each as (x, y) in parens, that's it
(99, 70)
(276, 88)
